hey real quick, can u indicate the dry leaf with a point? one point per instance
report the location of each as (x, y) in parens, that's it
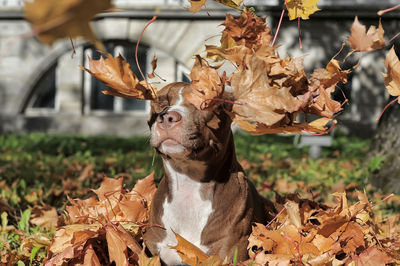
(301, 8)
(153, 67)
(257, 100)
(146, 261)
(231, 3)
(117, 249)
(44, 216)
(392, 76)
(196, 5)
(117, 74)
(53, 20)
(189, 253)
(206, 85)
(362, 41)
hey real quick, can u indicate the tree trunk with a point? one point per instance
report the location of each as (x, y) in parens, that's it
(385, 147)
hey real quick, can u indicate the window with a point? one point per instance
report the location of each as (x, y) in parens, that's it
(41, 98)
(95, 100)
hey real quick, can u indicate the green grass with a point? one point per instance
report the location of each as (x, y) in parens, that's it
(42, 167)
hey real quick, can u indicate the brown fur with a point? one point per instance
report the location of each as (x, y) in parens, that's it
(210, 158)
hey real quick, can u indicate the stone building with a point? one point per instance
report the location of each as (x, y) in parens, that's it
(42, 88)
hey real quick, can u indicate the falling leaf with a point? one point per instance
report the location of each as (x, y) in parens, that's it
(231, 3)
(249, 30)
(301, 8)
(258, 101)
(54, 20)
(153, 66)
(392, 76)
(362, 41)
(196, 5)
(189, 253)
(117, 74)
(206, 85)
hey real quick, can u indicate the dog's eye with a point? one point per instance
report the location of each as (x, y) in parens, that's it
(154, 116)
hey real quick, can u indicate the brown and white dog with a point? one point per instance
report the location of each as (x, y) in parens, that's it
(204, 196)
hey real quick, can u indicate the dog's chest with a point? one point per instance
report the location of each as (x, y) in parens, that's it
(187, 213)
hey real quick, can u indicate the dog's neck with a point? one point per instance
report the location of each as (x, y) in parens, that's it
(216, 168)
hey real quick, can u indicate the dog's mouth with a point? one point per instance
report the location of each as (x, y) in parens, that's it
(170, 142)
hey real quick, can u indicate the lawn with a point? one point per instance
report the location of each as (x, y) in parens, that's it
(38, 169)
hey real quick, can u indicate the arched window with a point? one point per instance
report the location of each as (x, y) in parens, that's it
(94, 99)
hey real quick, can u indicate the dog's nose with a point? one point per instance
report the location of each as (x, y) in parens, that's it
(168, 120)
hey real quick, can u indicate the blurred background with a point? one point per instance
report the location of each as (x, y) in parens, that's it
(59, 134)
(43, 89)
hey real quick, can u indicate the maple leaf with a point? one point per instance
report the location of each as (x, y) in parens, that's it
(144, 260)
(44, 216)
(362, 41)
(246, 30)
(323, 84)
(301, 8)
(119, 78)
(259, 101)
(196, 5)
(231, 3)
(53, 20)
(392, 76)
(206, 85)
(189, 253)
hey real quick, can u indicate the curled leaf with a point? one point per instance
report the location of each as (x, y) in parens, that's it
(206, 85)
(117, 74)
(189, 253)
(392, 76)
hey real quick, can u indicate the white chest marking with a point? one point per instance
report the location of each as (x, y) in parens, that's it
(187, 214)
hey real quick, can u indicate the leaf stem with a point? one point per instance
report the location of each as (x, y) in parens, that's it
(323, 133)
(137, 48)
(394, 37)
(298, 27)
(276, 216)
(386, 107)
(279, 25)
(381, 12)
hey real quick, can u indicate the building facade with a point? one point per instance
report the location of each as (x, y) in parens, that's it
(43, 89)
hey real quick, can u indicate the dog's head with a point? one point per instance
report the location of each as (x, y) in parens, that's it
(178, 129)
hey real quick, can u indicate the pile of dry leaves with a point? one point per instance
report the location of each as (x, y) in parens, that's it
(109, 226)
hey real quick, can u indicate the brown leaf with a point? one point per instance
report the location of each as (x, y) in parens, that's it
(258, 101)
(362, 41)
(108, 187)
(53, 20)
(146, 187)
(117, 74)
(44, 216)
(392, 76)
(153, 66)
(117, 249)
(372, 256)
(248, 29)
(90, 257)
(206, 85)
(231, 3)
(189, 253)
(196, 5)
(146, 261)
